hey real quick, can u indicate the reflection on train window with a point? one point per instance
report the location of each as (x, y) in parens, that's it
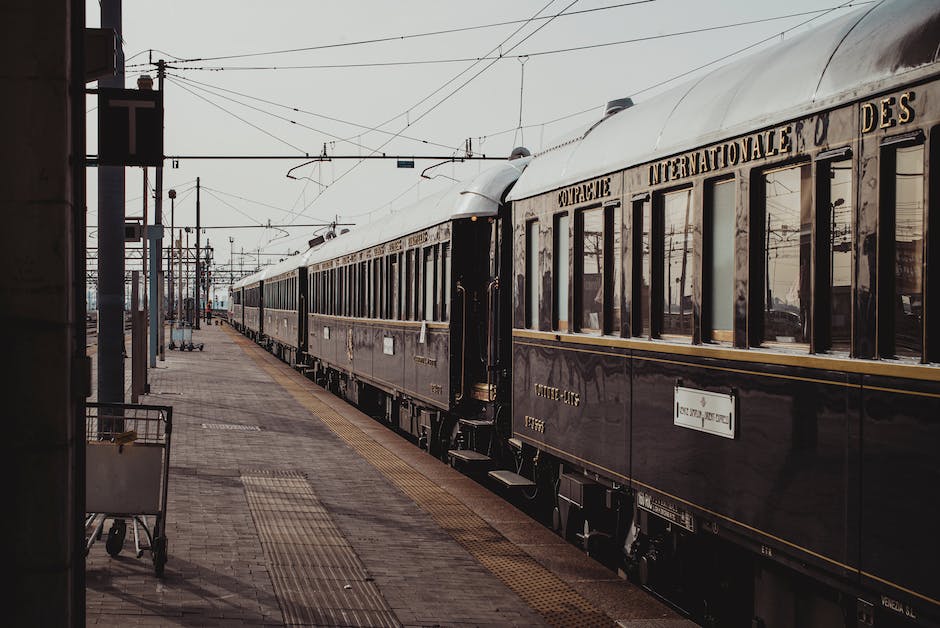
(407, 283)
(787, 240)
(429, 284)
(589, 279)
(613, 217)
(393, 279)
(841, 230)
(677, 263)
(909, 251)
(446, 279)
(560, 273)
(532, 274)
(641, 264)
(719, 273)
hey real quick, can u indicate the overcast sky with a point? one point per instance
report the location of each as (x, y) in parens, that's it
(427, 93)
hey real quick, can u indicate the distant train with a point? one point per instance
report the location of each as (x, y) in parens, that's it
(702, 331)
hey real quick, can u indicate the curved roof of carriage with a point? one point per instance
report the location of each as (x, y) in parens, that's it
(865, 51)
(479, 196)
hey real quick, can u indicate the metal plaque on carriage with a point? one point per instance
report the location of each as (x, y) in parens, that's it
(705, 411)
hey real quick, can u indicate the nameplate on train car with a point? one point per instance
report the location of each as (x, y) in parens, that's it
(705, 411)
(388, 345)
(666, 509)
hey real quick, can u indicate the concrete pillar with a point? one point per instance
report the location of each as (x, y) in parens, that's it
(42, 292)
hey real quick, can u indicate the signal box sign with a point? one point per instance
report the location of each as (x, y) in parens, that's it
(130, 127)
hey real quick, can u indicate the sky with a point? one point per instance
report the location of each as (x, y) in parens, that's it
(393, 77)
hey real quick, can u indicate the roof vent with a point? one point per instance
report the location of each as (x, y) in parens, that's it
(342, 231)
(617, 105)
(317, 241)
(519, 151)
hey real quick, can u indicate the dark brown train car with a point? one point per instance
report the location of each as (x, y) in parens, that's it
(404, 317)
(725, 336)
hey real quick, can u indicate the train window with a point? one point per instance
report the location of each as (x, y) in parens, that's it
(446, 280)
(787, 247)
(903, 217)
(402, 287)
(408, 282)
(589, 273)
(835, 228)
(429, 287)
(393, 286)
(677, 263)
(719, 255)
(613, 228)
(532, 278)
(560, 272)
(642, 261)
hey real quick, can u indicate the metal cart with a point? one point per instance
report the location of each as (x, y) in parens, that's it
(181, 337)
(127, 465)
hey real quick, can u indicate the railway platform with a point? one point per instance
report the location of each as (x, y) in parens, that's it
(288, 507)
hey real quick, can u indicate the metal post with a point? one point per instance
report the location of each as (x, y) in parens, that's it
(171, 301)
(196, 305)
(180, 304)
(111, 243)
(135, 337)
(156, 255)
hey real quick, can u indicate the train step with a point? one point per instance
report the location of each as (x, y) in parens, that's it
(511, 480)
(468, 457)
(477, 422)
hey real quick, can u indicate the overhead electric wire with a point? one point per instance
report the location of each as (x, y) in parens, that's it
(174, 78)
(505, 56)
(364, 127)
(429, 96)
(226, 203)
(237, 117)
(403, 37)
(822, 12)
(248, 200)
(746, 48)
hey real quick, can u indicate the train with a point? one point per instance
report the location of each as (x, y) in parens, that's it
(698, 334)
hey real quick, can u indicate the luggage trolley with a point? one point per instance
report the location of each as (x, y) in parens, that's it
(181, 337)
(127, 465)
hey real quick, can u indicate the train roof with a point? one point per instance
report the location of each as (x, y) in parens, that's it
(869, 50)
(479, 196)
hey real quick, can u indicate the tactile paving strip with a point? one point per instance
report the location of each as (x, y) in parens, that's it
(317, 577)
(542, 590)
(231, 426)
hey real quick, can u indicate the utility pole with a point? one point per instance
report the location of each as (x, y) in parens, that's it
(196, 292)
(171, 298)
(156, 253)
(111, 243)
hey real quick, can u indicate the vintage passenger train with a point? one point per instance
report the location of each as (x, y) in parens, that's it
(702, 330)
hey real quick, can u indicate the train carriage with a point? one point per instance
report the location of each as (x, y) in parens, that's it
(236, 311)
(253, 303)
(404, 317)
(723, 330)
(283, 311)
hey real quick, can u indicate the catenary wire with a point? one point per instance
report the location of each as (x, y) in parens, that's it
(400, 37)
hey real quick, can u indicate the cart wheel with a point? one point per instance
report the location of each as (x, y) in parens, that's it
(116, 534)
(159, 555)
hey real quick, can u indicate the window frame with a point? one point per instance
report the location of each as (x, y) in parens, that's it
(532, 280)
(578, 282)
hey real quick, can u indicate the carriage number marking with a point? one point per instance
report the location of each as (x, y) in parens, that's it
(536, 425)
